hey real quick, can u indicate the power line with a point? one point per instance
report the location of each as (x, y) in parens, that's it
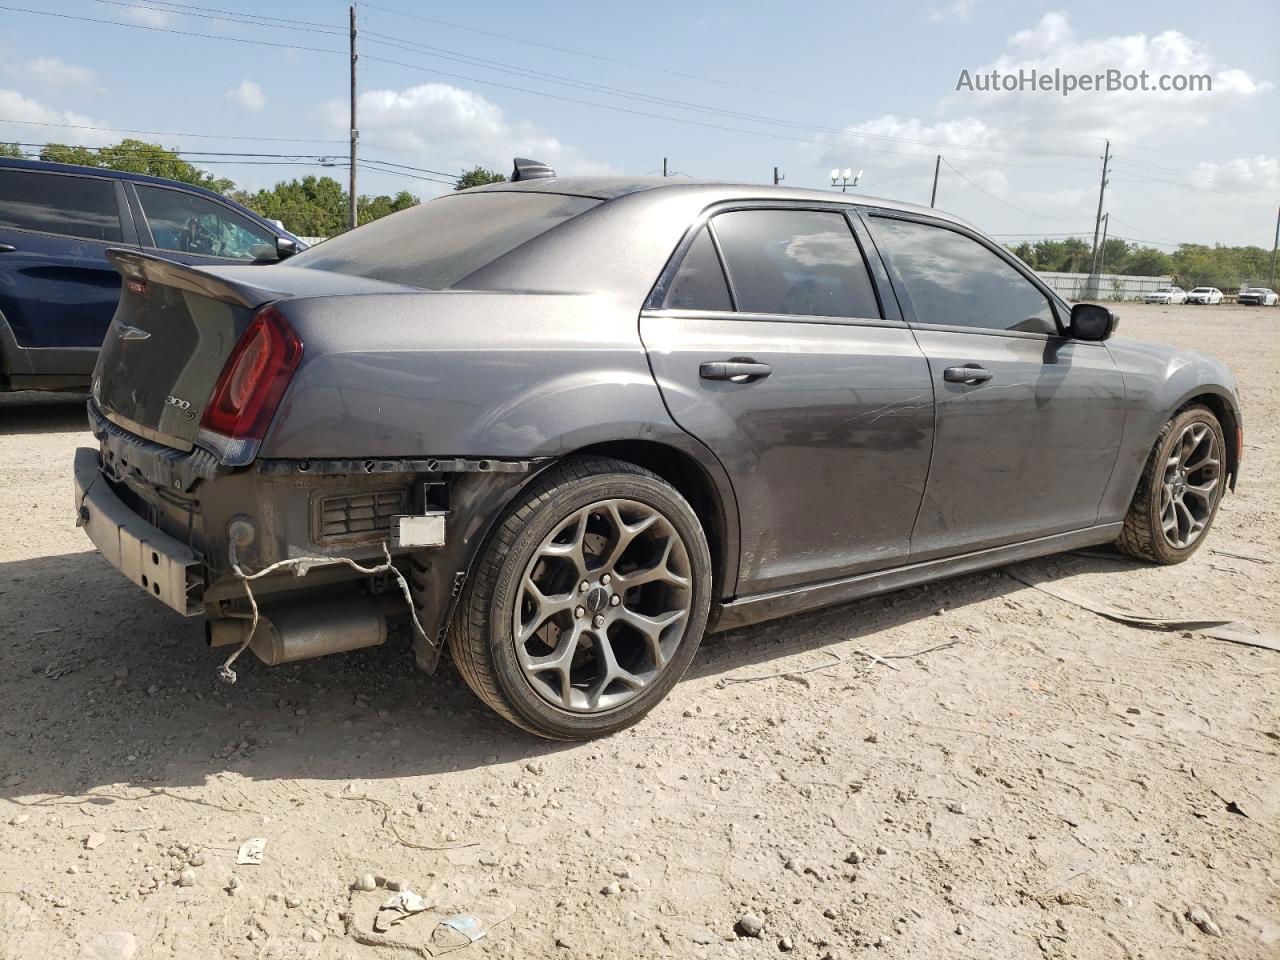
(170, 133)
(626, 63)
(171, 30)
(1030, 213)
(236, 17)
(841, 132)
(542, 76)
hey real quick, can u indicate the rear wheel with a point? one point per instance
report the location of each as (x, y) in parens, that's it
(588, 601)
(1180, 489)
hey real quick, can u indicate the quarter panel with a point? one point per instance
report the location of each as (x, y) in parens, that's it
(464, 374)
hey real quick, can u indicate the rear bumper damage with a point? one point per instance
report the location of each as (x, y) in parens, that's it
(364, 539)
(163, 566)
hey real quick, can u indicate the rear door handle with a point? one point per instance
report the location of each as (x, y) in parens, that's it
(970, 373)
(741, 371)
(7, 248)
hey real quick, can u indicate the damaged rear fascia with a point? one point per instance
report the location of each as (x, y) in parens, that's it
(322, 467)
(124, 454)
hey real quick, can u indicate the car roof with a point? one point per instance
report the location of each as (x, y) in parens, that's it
(611, 188)
(17, 163)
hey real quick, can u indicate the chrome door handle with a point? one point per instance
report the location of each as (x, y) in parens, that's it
(739, 371)
(970, 373)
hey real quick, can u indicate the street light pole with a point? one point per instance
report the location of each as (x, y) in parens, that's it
(845, 178)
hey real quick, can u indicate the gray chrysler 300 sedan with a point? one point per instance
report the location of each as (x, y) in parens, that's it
(563, 426)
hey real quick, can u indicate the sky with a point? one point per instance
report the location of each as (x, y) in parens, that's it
(727, 91)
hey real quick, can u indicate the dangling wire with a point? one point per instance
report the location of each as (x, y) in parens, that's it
(301, 566)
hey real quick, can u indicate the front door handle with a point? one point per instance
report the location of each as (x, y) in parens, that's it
(969, 373)
(739, 371)
(7, 248)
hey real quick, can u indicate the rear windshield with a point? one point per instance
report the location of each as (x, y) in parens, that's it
(440, 243)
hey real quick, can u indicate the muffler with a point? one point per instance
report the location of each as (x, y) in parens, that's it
(299, 630)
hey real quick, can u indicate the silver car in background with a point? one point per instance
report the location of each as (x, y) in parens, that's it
(1166, 295)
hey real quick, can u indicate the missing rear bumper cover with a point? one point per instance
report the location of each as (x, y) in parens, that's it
(374, 465)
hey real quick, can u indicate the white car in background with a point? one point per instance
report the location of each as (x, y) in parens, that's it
(1166, 295)
(1259, 297)
(1205, 295)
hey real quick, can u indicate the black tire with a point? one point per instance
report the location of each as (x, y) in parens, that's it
(481, 637)
(1143, 537)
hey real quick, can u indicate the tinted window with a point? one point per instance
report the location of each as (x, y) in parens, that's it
(56, 203)
(190, 224)
(438, 244)
(699, 284)
(954, 280)
(803, 262)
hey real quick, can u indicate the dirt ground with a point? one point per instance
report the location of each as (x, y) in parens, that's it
(1054, 784)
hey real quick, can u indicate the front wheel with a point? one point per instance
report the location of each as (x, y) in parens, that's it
(588, 601)
(1180, 489)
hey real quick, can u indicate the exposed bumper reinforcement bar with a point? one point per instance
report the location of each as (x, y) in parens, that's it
(164, 567)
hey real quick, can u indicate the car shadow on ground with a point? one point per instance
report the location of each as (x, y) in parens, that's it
(104, 687)
(31, 411)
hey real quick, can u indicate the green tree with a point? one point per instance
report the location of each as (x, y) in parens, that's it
(318, 206)
(311, 207)
(10, 150)
(137, 156)
(371, 208)
(478, 177)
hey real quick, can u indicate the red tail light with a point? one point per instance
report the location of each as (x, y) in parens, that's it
(254, 378)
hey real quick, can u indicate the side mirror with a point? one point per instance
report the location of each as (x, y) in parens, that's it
(1092, 321)
(285, 247)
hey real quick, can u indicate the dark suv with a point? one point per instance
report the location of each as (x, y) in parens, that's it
(57, 289)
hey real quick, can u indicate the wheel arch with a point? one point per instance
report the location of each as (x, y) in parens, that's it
(710, 496)
(1225, 410)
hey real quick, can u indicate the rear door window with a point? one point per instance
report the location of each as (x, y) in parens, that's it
(699, 284)
(795, 262)
(60, 203)
(187, 223)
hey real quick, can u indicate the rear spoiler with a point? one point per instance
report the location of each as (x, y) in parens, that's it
(148, 268)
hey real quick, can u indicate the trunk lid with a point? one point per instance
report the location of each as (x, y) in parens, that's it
(175, 327)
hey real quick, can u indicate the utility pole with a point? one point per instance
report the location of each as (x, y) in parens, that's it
(937, 165)
(1102, 247)
(1275, 244)
(355, 133)
(778, 177)
(664, 167)
(1097, 223)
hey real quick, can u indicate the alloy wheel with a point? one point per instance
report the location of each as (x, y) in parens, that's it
(1189, 488)
(602, 605)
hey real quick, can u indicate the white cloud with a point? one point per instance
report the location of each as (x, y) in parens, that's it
(460, 126)
(55, 76)
(1053, 43)
(1033, 159)
(957, 10)
(16, 106)
(1261, 173)
(248, 95)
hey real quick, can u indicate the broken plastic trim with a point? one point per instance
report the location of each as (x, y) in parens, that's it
(397, 465)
